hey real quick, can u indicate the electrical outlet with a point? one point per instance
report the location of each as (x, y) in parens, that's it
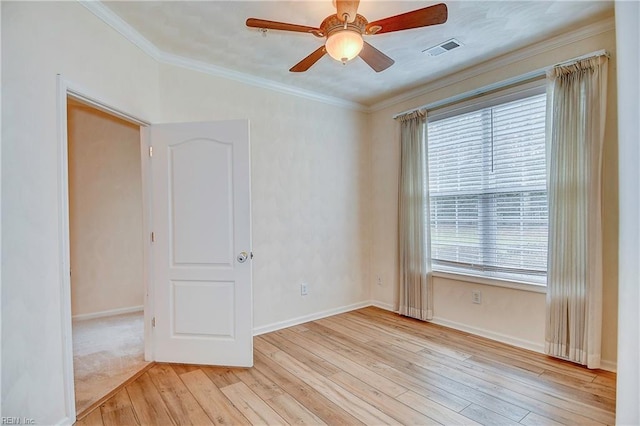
(379, 280)
(476, 297)
(304, 290)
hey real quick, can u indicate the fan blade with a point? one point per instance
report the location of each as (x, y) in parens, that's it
(307, 62)
(348, 7)
(432, 15)
(283, 26)
(375, 58)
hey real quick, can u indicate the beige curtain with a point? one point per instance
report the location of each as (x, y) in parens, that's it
(414, 295)
(574, 283)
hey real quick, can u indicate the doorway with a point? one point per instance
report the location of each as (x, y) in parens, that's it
(106, 251)
(183, 142)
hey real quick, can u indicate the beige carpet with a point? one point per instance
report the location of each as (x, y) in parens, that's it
(106, 352)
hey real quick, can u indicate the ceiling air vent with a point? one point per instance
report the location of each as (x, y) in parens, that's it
(442, 47)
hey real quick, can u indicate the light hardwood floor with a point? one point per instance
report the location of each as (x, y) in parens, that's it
(369, 367)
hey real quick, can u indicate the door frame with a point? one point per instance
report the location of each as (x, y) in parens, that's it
(67, 89)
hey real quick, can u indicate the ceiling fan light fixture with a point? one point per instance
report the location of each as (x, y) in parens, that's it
(344, 45)
(345, 28)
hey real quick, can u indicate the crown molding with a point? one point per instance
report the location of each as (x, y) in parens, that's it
(526, 52)
(127, 31)
(132, 35)
(263, 83)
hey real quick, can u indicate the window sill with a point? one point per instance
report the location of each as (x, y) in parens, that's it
(534, 288)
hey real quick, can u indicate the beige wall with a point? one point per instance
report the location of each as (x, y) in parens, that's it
(41, 40)
(324, 189)
(105, 212)
(310, 165)
(0, 209)
(511, 315)
(310, 185)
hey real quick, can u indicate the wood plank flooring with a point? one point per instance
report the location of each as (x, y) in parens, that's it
(369, 367)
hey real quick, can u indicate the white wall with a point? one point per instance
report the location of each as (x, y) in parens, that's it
(40, 41)
(514, 316)
(628, 393)
(310, 191)
(105, 212)
(0, 208)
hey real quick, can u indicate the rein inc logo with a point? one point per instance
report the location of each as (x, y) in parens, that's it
(17, 421)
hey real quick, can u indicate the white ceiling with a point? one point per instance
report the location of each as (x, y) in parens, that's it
(214, 32)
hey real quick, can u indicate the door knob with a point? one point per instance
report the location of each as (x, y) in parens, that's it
(242, 257)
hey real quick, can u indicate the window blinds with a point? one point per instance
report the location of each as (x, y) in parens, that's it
(487, 188)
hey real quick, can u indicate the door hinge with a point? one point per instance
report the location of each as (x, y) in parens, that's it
(150, 151)
(153, 237)
(153, 322)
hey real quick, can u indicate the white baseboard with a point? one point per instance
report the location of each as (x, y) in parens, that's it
(382, 305)
(474, 330)
(306, 318)
(386, 306)
(609, 366)
(499, 337)
(67, 421)
(108, 313)
(510, 340)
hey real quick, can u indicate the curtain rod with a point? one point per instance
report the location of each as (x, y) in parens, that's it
(530, 76)
(579, 58)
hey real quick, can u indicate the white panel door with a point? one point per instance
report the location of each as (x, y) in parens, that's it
(202, 231)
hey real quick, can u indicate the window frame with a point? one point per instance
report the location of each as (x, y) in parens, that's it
(474, 102)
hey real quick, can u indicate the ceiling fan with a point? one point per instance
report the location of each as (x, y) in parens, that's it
(344, 31)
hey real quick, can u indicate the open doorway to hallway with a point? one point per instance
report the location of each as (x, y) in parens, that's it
(106, 252)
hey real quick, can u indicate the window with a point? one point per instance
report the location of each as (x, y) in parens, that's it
(488, 192)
